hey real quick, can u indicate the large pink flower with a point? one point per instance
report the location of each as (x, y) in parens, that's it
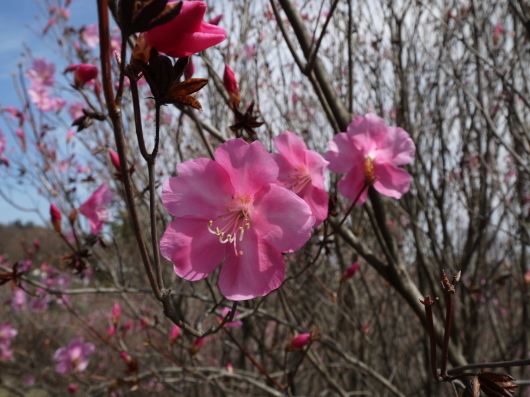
(94, 209)
(187, 33)
(74, 357)
(302, 171)
(370, 150)
(230, 211)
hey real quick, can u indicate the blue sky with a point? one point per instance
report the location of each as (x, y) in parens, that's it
(19, 20)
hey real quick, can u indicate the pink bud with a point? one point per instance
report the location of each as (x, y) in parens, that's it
(175, 333)
(189, 70)
(230, 368)
(55, 217)
(350, 272)
(215, 20)
(36, 244)
(111, 331)
(298, 342)
(125, 357)
(84, 72)
(116, 313)
(72, 388)
(115, 159)
(197, 345)
(230, 83)
(128, 325)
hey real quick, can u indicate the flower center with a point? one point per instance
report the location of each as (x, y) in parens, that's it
(369, 172)
(298, 180)
(231, 226)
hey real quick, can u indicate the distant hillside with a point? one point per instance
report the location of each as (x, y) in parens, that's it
(17, 238)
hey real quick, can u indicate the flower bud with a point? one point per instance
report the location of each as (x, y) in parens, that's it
(83, 72)
(72, 388)
(174, 334)
(527, 277)
(197, 345)
(55, 218)
(230, 83)
(350, 272)
(116, 313)
(115, 159)
(298, 342)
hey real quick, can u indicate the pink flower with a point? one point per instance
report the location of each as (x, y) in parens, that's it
(232, 324)
(83, 72)
(90, 35)
(41, 73)
(370, 153)
(74, 357)
(72, 388)
(350, 271)
(302, 171)
(70, 135)
(174, 334)
(111, 331)
(42, 99)
(75, 110)
(497, 33)
(298, 342)
(19, 301)
(94, 209)
(230, 211)
(230, 83)
(187, 33)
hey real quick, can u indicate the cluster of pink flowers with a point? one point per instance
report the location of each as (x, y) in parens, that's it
(42, 79)
(231, 211)
(3, 141)
(247, 207)
(74, 357)
(7, 333)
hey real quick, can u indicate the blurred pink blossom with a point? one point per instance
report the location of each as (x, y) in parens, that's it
(69, 135)
(94, 209)
(72, 388)
(75, 110)
(370, 152)
(298, 342)
(230, 211)
(15, 114)
(74, 357)
(7, 333)
(116, 313)
(350, 271)
(19, 301)
(115, 160)
(187, 33)
(302, 171)
(174, 334)
(90, 35)
(41, 73)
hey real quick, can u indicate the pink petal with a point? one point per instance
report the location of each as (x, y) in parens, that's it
(281, 218)
(200, 190)
(352, 183)
(249, 166)
(342, 154)
(291, 146)
(316, 165)
(257, 272)
(318, 200)
(392, 181)
(369, 130)
(194, 251)
(397, 147)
